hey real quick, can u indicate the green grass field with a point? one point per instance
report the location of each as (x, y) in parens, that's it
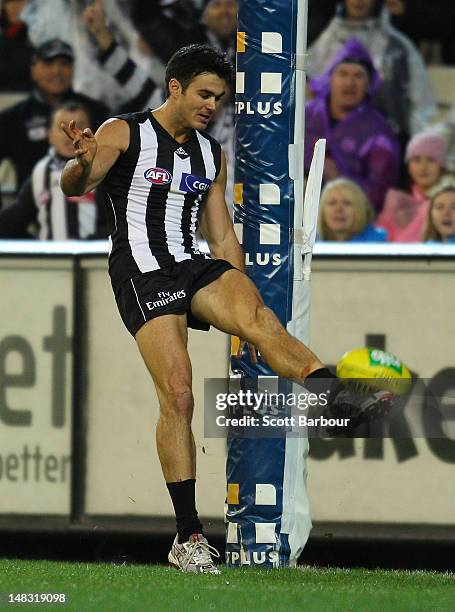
(103, 586)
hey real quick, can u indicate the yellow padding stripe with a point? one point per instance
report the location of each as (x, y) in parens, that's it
(233, 493)
(241, 42)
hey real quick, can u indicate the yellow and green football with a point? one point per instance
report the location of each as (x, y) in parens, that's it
(374, 369)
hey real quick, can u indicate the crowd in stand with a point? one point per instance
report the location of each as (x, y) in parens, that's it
(386, 174)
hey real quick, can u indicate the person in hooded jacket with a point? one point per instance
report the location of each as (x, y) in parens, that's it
(405, 96)
(360, 144)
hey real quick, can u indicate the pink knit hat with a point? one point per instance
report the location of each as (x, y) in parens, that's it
(430, 144)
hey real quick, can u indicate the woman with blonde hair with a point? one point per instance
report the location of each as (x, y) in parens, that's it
(440, 224)
(346, 215)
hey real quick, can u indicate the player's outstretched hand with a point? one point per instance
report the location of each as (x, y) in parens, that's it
(84, 143)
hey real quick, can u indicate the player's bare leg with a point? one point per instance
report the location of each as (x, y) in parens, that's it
(163, 346)
(162, 343)
(233, 304)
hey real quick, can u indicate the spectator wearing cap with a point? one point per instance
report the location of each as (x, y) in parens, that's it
(405, 96)
(23, 127)
(405, 212)
(360, 144)
(46, 17)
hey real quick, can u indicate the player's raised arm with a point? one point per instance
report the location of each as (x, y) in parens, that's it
(94, 154)
(216, 225)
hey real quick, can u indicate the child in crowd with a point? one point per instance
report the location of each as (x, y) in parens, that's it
(440, 225)
(404, 213)
(346, 215)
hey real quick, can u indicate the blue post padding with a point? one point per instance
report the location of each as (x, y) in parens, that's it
(264, 207)
(262, 142)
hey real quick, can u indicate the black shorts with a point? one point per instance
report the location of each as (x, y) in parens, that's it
(166, 291)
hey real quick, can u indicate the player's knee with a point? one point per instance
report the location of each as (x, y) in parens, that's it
(263, 323)
(178, 401)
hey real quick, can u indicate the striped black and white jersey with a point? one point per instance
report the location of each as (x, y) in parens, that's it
(155, 190)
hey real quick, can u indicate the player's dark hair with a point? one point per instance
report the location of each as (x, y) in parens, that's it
(70, 105)
(193, 60)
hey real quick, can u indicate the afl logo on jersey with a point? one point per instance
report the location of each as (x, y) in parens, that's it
(190, 183)
(158, 176)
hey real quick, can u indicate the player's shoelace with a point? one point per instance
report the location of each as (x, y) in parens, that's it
(200, 553)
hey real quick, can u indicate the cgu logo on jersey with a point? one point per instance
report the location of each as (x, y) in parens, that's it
(191, 183)
(158, 176)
